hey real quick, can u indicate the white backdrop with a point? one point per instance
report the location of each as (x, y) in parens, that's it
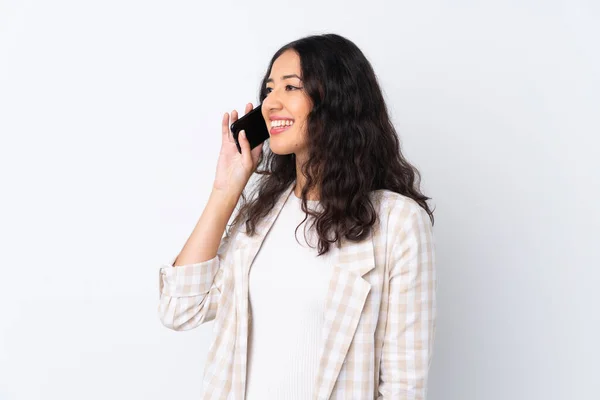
(110, 124)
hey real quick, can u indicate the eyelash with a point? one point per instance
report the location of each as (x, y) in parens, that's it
(268, 90)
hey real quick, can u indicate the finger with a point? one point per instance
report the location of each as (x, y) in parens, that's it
(245, 145)
(225, 125)
(226, 135)
(234, 116)
(249, 108)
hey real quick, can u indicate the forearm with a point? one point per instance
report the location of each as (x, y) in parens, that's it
(203, 243)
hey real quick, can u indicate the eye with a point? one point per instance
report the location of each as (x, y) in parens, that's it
(287, 87)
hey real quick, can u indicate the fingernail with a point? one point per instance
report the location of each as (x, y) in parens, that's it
(243, 134)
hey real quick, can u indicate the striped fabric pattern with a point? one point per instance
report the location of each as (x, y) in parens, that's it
(379, 314)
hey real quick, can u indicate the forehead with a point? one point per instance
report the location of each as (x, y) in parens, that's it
(286, 64)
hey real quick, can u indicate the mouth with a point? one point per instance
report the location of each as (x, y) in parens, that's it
(280, 125)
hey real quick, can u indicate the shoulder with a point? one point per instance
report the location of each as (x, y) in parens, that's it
(389, 204)
(396, 212)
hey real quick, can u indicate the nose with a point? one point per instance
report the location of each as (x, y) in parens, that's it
(272, 102)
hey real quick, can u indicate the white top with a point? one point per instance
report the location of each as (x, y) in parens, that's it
(287, 289)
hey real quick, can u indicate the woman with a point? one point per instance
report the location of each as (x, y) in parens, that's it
(346, 310)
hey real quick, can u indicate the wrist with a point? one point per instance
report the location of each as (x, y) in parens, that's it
(227, 198)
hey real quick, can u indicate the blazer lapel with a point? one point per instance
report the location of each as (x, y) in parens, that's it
(245, 258)
(346, 298)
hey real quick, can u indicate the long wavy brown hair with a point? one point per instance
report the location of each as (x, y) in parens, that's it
(352, 145)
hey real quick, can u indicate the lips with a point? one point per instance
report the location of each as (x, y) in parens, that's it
(278, 129)
(275, 130)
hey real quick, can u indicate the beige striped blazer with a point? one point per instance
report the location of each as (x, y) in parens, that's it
(379, 315)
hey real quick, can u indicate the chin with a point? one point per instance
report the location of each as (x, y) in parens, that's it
(280, 150)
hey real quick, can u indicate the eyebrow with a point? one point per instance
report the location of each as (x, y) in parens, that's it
(284, 77)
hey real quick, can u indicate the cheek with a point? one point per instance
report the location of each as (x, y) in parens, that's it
(301, 107)
(300, 131)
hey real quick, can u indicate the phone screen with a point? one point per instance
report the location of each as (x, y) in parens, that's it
(255, 127)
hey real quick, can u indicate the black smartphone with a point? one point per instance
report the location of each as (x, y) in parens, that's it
(255, 127)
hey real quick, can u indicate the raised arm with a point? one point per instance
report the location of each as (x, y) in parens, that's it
(190, 288)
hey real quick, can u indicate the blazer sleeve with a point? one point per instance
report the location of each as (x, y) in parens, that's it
(189, 294)
(411, 313)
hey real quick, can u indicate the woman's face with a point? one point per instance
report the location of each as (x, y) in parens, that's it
(286, 107)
